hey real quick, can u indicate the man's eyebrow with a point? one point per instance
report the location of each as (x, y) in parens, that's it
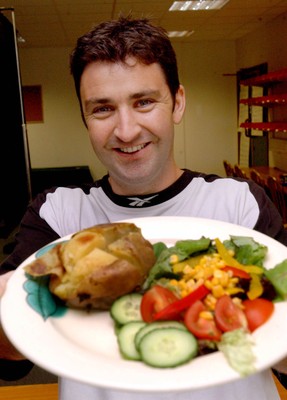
(106, 100)
(145, 93)
(95, 100)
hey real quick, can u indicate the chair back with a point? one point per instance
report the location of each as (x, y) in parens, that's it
(228, 168)
(278, 196)
(256, 177)
(239, 172)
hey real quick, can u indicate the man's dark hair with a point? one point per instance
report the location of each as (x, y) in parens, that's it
(116, 40)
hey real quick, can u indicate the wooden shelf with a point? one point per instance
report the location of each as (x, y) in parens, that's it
(266, 101)
(266, 79)
(265, 126)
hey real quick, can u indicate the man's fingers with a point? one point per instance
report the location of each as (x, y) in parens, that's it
(3, 281)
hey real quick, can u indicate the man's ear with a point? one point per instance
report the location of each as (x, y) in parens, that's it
(179, 105)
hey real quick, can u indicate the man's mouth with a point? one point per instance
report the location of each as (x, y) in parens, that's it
(132, 149)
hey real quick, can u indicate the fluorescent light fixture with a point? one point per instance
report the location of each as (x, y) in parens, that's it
(195, 5)
(180, 33)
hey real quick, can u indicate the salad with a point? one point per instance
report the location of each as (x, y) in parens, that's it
(201, 296)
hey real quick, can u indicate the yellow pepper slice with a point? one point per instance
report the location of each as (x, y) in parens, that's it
(232, 262)
(192, 262)
(255, 288)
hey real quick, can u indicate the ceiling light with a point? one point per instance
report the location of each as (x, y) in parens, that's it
(180, 33)
(195, 5)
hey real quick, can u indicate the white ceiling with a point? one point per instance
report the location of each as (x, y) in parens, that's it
(56, 23)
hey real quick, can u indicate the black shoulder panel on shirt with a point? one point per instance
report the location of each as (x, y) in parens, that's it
(14, 370)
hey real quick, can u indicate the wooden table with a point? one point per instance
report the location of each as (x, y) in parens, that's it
(47, 391)
(277, 193)
(265, 172)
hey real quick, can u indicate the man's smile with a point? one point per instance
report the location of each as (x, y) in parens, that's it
(132, 149)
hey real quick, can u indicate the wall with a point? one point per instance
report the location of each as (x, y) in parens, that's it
(208, 133)
(267, 43)
(62, 139)
(209, 124)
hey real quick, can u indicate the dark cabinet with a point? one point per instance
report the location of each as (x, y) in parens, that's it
(14, 160)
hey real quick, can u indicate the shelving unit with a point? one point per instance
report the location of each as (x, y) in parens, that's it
(271, 125)
(268, 81)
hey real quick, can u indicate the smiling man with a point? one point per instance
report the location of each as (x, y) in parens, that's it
(127, 83)
(130, 105)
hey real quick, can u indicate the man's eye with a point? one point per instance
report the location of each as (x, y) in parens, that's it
(144, 102)
(102, 109)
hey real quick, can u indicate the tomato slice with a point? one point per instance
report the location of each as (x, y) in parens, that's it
(201, 327)
(154, 300)
(228, 315)
(257, 312)
(173, 310)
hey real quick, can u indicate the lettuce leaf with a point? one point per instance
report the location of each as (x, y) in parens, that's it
(246, 250)
(237, 348)
(182, 249)
(278, 277)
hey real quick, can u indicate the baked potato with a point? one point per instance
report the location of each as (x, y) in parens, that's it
(97, 265)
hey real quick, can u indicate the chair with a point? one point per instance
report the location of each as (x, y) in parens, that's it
(228, 168)
(278, 196)
(256, 177)
(239, 172)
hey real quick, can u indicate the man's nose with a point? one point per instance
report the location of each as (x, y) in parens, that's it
(127, 126)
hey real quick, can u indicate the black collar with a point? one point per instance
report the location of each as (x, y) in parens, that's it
(147, 200)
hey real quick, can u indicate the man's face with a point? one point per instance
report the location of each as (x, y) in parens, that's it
(130, 117)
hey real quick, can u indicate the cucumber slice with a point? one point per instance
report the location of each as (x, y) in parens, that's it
(126, 338)
(156, 325)
(168, 347)
(127, 308)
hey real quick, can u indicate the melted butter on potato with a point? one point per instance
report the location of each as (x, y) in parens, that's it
(81, 245)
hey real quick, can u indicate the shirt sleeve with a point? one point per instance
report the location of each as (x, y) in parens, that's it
(14, 370)
(269, 220)
(33, 233)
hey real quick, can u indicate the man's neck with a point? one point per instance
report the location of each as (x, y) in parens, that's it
(143, 188)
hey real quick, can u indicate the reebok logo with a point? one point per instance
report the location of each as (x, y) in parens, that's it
(136, 202)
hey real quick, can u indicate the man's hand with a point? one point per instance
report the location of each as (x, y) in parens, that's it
(7, 350)
(3, 282)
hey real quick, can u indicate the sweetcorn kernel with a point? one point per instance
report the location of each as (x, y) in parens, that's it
(238, 302)
(206, 315)
(188, 270)
(210, 302)
(217, 291)
(173, 259)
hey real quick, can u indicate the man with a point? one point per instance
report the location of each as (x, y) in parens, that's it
(126, 79)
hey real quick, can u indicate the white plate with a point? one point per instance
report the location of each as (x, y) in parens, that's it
(83, 346)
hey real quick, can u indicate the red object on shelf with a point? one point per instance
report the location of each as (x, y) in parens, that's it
(265, 126)
(265, 101)
(271, 77)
